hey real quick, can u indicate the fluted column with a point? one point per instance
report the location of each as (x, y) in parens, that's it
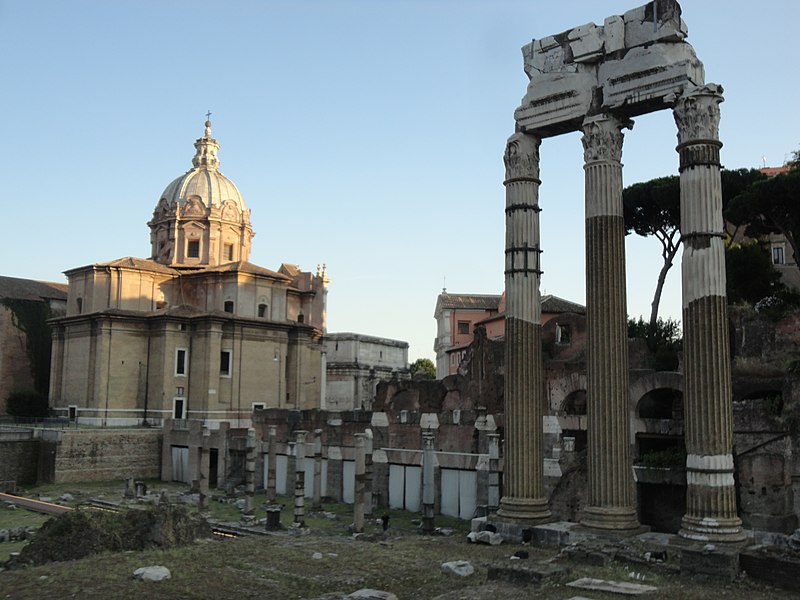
(524, 498)
(708, 411)
(610, 504)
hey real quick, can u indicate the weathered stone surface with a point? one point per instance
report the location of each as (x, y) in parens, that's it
(774, 568)
(485, 537)
(616, 587)
(709, 563)
(636, 63)
(154, 573)
(462, 568)
(369, 594)
(525, 574)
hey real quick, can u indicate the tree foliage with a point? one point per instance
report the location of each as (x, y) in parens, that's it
(423, 368)
(27, 404)
(664, 340)
(769, 206)
(750, 274)
(653, 208)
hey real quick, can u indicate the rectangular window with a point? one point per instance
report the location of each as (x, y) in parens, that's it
(180, 361)
(563, 334)
(777, 255)
(177, 408)
(193, 249)
(463, 327)
(73, 412)
(228, 306)
(179, 391)
(225, 363)
(229, 252)
(262, 311)
(259, 406)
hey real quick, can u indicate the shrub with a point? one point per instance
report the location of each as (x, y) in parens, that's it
(27, 404)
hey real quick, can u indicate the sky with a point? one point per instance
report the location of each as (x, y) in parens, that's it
(367, 135)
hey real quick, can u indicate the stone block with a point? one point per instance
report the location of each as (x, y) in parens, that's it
(586, 43)
(654, 22)
(772, 568)
(649, 77)
(709, 565)
(527, 574)
(557, 102)
(614, 34)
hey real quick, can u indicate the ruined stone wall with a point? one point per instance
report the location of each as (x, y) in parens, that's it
(102, 455)
(19, 460)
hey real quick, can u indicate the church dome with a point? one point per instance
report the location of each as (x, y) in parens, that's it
(204, 180)
(201, 219)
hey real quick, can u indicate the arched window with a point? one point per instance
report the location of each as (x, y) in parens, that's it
(262, 311)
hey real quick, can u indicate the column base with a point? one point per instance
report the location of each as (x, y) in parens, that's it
(621, 519)
(529, 511)
(719, 531)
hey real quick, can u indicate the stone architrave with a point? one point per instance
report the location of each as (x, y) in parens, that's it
(610, 503)
(524, 500)
(711, 514)
(300, 478)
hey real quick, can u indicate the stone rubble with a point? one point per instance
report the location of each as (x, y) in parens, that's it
(462, 568)
(153, 573)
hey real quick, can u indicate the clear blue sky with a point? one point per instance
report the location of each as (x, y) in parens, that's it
(367, 135)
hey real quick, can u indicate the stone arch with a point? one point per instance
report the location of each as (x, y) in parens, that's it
(560, 389)
(645, 384)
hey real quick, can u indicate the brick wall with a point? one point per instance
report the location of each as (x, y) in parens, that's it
(90, 455)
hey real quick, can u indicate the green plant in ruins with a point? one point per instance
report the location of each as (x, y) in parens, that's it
(423, 368)
(664, 340)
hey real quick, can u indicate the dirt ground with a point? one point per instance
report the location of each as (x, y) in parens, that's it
(324, 561)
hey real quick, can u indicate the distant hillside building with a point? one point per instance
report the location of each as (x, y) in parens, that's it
(195, 330)
(356, 364)
(25, 307)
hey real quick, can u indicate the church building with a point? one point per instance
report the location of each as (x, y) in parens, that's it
(195, 331)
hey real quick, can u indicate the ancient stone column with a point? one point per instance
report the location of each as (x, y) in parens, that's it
(271, 464)
(493, 498)
(524, 498)
(317, 496)
(428, 481)
(358, 506)
(250, 474)
(202, 503)
(711, 514)
(368, 472)
(610, 504)
(300, 478)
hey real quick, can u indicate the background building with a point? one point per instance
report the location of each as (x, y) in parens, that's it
(356, 363)
(195, 331)
(25, 307)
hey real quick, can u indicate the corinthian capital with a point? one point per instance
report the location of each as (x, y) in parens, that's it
(602, 138)
(696, 113)
(522, 157)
